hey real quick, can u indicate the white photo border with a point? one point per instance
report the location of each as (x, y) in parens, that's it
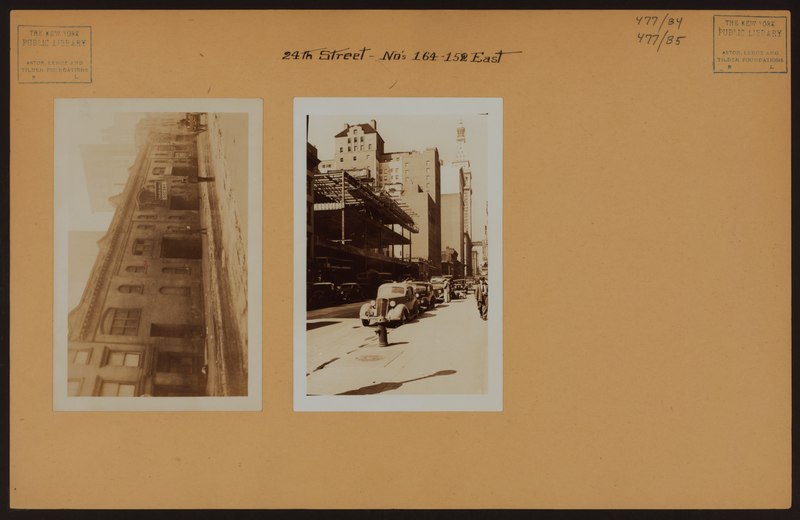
(493, 399)
(63, 108)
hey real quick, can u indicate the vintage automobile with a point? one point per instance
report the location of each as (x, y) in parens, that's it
(438, 287)
(424, 292)
(350, 292)
(460, 288)
(394, 304)
(321, 294)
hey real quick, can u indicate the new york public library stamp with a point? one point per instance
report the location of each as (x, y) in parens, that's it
(54, 54)
(398, 254)
(750, 44)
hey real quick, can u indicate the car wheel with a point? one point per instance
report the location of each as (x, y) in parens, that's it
(364, 322)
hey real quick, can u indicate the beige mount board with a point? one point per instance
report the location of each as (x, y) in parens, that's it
(646, 246)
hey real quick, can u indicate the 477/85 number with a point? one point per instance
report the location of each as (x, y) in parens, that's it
(653, 38)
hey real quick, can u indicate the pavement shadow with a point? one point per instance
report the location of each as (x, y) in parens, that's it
(427, 314)
(318, 324)
(392, 385)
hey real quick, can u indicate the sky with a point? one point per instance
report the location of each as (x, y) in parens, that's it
(79, 125)
(417, 132)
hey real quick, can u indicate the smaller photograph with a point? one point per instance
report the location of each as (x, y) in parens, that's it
(399, 228)
(157, 254)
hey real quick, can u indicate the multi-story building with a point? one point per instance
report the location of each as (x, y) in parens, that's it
(451, 265)
(412, 178)
(480, 252)
(140, 326)
(463, 163)
(357, 150)
(453, 211)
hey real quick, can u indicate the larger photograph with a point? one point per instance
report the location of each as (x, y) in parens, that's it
(157, 264)
(399, 303)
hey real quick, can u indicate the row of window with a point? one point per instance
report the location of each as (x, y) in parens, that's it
(107, 388)
(356, 139)
(355, 148)
(168, 290)
(172, 229)
(171, 217)
(121, 321)
(114, 358)
(165, 270)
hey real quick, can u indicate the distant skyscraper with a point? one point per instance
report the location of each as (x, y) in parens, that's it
(463, 163)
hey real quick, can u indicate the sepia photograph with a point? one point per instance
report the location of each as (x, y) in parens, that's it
(400, 205)
(157, 254)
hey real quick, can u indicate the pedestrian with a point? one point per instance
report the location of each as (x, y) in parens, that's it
(482, 296)
(447, 290)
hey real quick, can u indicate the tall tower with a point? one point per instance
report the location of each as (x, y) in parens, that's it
(463, 163)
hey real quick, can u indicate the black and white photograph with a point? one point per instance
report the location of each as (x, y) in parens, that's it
(398, 282)
(157, 254)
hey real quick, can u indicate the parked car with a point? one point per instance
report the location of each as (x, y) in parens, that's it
(350, 292)
(424, 292)
(321, 294)
(438, 287)
(395, 304)
(460, 288)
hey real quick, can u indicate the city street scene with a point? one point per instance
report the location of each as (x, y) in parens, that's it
(157, 274)
(397, 254)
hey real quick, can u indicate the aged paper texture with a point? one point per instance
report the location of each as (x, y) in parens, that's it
(646, 357)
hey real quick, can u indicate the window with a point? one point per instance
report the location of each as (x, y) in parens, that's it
(142, 246)
(117, 389)
(136, 269)
(354, 157)
(361, 148)
(159, 170)
(124, 359)
(145, 226)
(74, 387)
(175, 330)
(178, 217)
(188, 248)
(341, 159)
(348, 140)
(180, 291)
(361, 138)
(127, 289)
(349, 149)
(81, 357)
(123, 322)
(369, 147)
(341, 148)
(146, 217)
(176, 363)
(177, 270)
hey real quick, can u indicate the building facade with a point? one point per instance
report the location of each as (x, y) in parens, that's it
(453, 211)
(411, 178)
(140, 326)
(462, 162)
